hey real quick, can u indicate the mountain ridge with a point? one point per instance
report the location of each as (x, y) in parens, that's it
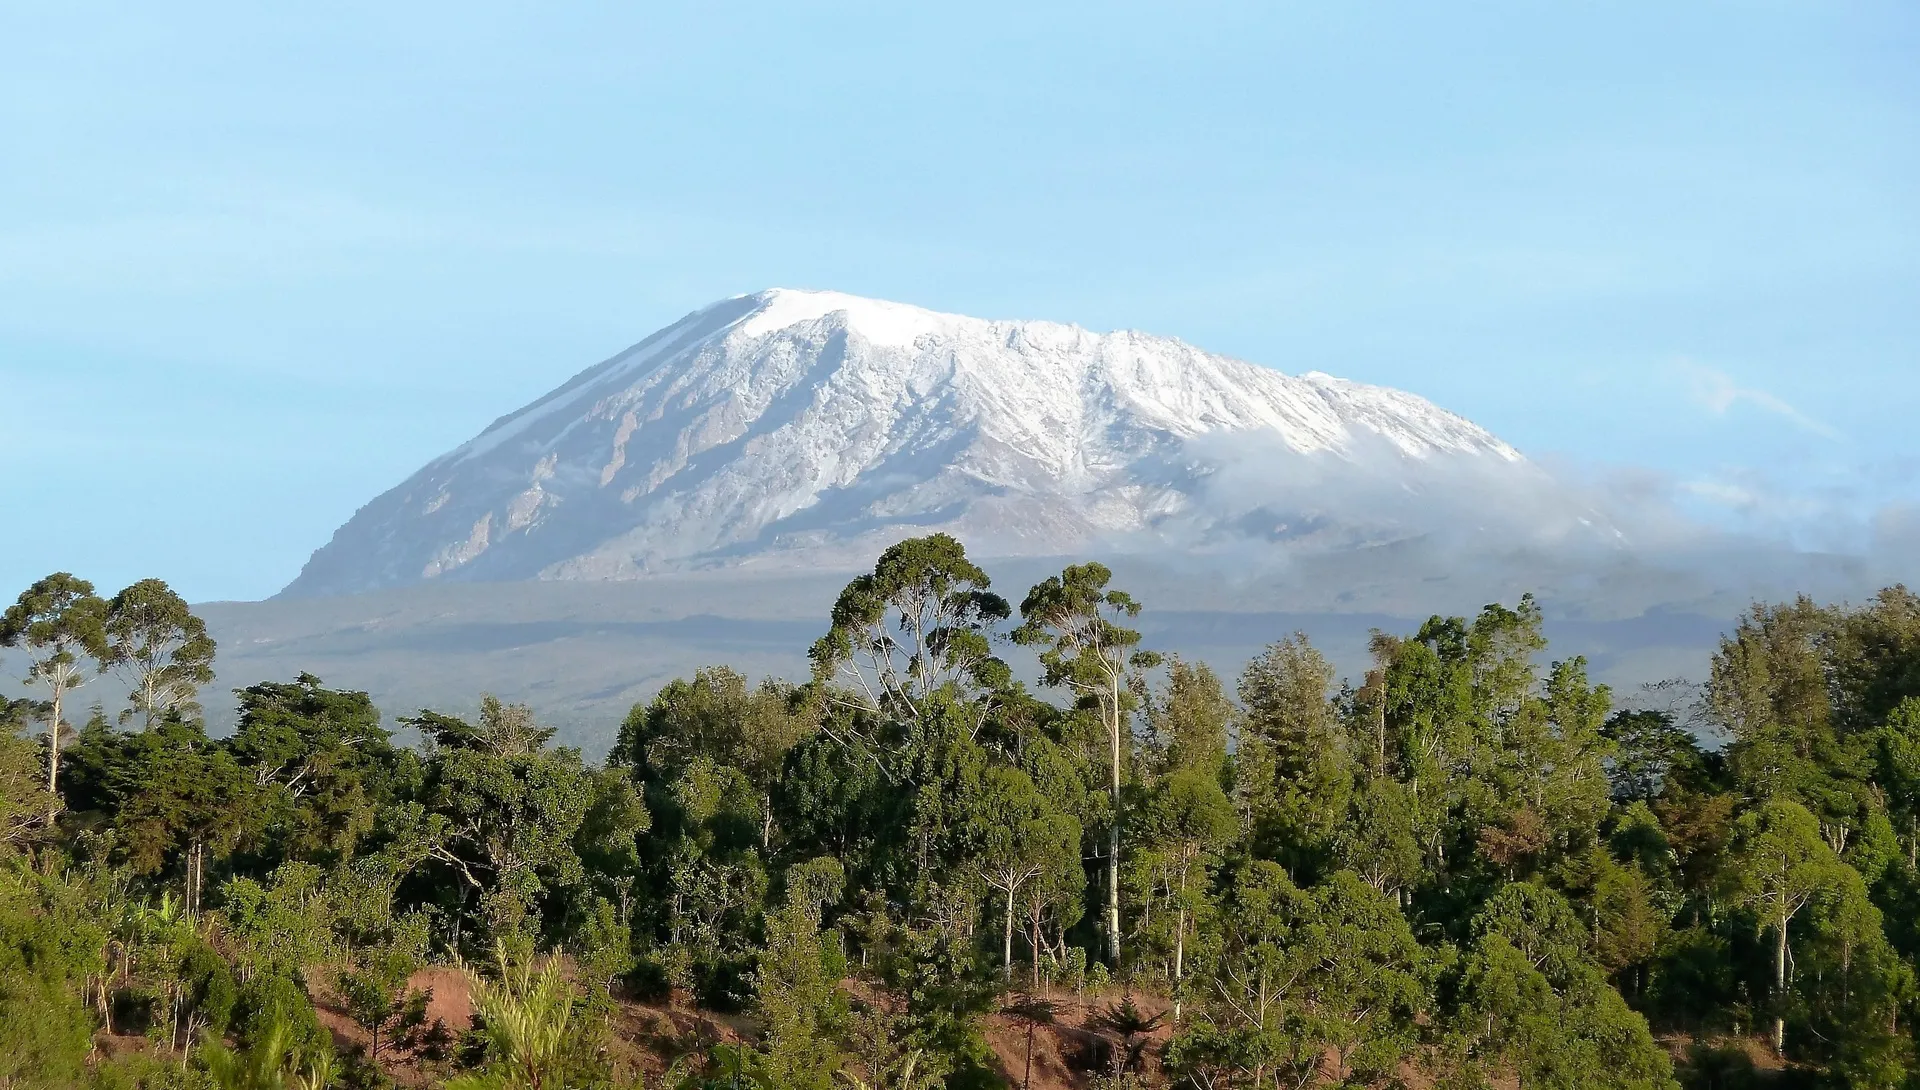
(803, 428)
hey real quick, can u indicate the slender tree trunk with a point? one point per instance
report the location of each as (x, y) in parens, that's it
(1026, 1081)
(1380, 735)
(53, 751)
(1113, 835)
(1179, 956)
(1034, 939)
(1008, 951)
(196, 872)
(1780, 988)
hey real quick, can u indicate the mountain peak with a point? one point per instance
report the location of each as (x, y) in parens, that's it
(813, 427)
(878, 321)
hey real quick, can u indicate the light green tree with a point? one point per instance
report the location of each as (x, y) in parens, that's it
(23, 795)
(1779, 865)
(1293, 763)
(1189, 722)
(1380, 842)
(1573, 1033)
(273, 1062)
(527, 1012)
(1076, 621)
(1360, 979)
(917, 624)
(161, 647)
(1022, 838)
(375, 988)
(62, 625)
(802, 1009)
(1188, 822)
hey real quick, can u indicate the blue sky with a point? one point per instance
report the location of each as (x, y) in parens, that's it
(257, 265)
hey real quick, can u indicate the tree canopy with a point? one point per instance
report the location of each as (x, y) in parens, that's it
(913, 867)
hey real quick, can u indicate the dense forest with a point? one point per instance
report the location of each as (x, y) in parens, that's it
(1470, 867)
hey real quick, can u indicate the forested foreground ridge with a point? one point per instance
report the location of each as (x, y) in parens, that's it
(1468, 868)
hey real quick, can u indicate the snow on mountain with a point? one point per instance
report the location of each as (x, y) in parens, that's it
(801, 427)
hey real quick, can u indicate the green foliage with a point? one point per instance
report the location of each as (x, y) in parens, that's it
(46, 1030)
(501, 816)
(1646, 746)
(1296, 974)
(320, 759)
(1467, 871)
(275, 1009)
(917, 624)
(1564, 1029)
(375, 987)
(60, 621)
(277, 1058)
(164, 650)
(527, 1012)
(1294, 766)
(181, 799)
(716, 716)
(800, 1005)
(284, 924)
(1780, 866)
(24, 800)
(1075, 620)
(1190, 724)
(62, 625)
(45, 1033)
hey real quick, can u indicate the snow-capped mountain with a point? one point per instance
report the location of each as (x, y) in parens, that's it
(792, 427)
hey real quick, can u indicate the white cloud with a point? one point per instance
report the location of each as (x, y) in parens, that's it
(1723, 493)
(1718, 393)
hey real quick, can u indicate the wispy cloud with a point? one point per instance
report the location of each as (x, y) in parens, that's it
(1718, 393)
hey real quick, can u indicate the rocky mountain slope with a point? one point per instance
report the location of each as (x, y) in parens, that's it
(793, 428)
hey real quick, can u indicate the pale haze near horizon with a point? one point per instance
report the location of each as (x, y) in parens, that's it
(255, 268)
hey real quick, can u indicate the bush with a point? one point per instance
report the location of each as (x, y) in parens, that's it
(271, 1003)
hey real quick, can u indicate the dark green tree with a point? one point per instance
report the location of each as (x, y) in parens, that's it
(322, 761)
(1186, 824)
(717, 716)
(23, 795)
(1646, 745)
(501, 814)
(181, 799)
